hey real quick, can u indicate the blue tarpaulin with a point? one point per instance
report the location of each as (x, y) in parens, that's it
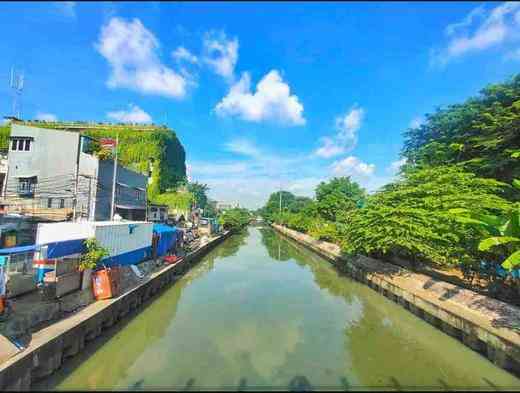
(167, 238)
(17, 250)
(65, 247)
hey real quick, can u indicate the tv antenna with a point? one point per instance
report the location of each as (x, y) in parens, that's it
(16, 84)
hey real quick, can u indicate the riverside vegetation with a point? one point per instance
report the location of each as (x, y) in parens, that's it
(453, 206)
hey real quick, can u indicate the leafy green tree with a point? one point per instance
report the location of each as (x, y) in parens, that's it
(235, 219)
(199, 192)
(410, 218)
(338, 195)
(272, 206)
(480, 134)
(504, 231)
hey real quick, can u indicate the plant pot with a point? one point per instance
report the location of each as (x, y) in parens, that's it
(86, 279)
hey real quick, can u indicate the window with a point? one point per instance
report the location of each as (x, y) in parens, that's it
(26, 186)
(49, 203)
(21, 143)
(62, 203)
(22, 263)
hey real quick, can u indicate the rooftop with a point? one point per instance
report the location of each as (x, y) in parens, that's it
(90, 125)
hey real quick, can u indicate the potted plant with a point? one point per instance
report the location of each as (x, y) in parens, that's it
(90, 259)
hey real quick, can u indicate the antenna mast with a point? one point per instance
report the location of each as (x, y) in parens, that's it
(16, 84)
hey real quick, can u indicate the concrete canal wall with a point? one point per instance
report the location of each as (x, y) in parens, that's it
(54, 344)
(486, 325)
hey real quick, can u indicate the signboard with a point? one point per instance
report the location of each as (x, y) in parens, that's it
(108, 143)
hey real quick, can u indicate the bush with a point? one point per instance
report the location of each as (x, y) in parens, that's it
(410, 218)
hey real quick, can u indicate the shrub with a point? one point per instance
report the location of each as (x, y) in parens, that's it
(410, 218)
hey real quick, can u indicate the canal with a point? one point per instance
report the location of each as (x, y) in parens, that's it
(260, 311)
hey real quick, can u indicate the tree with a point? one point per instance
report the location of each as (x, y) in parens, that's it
(410, 218)
(480, 134)
(504, 231)
(338, 195)
(199, 192)
(235, 219)
(272, 206)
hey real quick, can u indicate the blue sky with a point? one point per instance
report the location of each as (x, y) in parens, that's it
(262, 95)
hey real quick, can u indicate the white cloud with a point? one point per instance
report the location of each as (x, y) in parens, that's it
(272, 101)
(345, 139)
(329, 148)
(479, 30)
(221, 53)
(394, 167)
(131, 51)
(46, 116)
(462, 26)
(352, 166)
(256, 173)
(244, 147)
(133, 115)
(183, 54)
(67, 8)
(416, 122)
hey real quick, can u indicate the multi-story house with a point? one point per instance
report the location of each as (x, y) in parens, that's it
(53, 175)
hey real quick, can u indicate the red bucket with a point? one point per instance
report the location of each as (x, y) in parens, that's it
(171, 259)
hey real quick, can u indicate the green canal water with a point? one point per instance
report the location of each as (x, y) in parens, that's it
(260, 312)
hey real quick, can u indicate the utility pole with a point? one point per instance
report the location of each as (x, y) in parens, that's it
(112, 206)
(280, 193)
(76, 181)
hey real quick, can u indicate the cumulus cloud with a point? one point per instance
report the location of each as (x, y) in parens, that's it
(347, 126)
(46, 117)
(220, 53)
(131, 51)
(272, 101)
(481, 29)
(182, 54)
(352, 166)
(134, 114)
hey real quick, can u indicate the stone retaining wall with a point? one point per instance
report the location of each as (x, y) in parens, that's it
(54, 344)
(486, 325)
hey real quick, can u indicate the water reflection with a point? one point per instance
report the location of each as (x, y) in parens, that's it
(260, 312)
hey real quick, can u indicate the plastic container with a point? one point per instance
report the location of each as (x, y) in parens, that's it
(171, 259)
(101, 284)
(105, 283)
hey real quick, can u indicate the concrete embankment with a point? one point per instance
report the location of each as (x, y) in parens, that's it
(486, 325)
(52, 345)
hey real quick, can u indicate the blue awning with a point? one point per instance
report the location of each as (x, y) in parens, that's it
(17, 250)
(163, 228)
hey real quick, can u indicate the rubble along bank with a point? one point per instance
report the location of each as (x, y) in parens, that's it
(484, 324)
(67, 337)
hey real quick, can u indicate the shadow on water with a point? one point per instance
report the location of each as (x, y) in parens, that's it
(71, 364)
(300, 383)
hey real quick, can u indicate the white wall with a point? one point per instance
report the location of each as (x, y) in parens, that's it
(61, 231)
(118, 239)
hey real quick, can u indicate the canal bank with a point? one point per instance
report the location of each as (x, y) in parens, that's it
(486, 325)
(50, 346)
(261, 312)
